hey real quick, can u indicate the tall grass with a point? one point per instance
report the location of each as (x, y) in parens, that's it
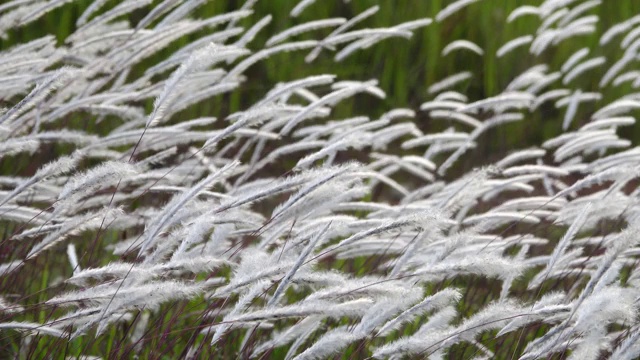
(319, 179)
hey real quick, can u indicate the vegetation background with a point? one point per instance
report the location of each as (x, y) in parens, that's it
(404, 68)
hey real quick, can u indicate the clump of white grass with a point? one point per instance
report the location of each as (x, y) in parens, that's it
(245, 216)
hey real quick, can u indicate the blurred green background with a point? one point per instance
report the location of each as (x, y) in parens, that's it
(405, 68)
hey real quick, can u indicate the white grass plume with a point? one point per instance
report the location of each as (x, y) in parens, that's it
(179, 201)
(199, 60)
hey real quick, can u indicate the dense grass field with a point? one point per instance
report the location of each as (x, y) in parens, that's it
(175, 183)
(406, 74)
